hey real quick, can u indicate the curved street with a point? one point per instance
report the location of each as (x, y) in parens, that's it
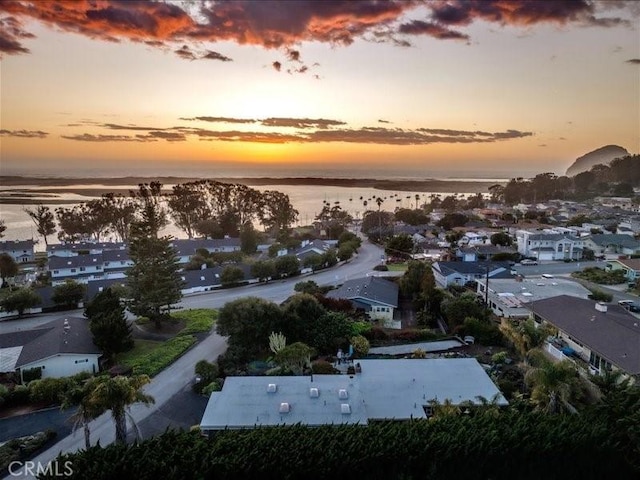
(179, 375)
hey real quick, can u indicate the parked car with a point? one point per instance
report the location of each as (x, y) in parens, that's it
(526, 261)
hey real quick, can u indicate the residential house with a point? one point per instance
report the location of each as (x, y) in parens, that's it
(83, 248)
(60, 348)
(630, 266)
(186, 248)
(612, 243)
(402, 389)
(549, 246)
(309, 248)
(20, 250)
(605, 336)
(474, 238)
(509, 298)
(482, 252)
(80, 268)
(460, 273)
(116, 263)
(374, 295)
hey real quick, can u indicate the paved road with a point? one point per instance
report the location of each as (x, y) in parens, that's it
(177, 377)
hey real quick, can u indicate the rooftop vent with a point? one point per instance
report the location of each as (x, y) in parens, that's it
(272, 388)
(345, 408)
(284, 407)
(314, 392)
(601, 307)
(343, 394)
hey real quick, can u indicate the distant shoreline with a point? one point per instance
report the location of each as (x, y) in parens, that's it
(75, 184)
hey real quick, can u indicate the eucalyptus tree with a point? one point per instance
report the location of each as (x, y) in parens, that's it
(43, 218)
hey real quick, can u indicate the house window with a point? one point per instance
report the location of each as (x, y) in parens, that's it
(559, 249)
(73, 270)
(82, 269)
(56, 271)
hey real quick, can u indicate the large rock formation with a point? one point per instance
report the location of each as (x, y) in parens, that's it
(602, 155)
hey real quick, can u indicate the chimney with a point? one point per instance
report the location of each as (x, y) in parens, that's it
(601, 307)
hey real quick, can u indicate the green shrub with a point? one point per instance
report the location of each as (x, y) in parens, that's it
(499, 358)
(156, 360)
(600, 296)
(360, 345)
(18, 396)
(207, 372)
(214, 386)
(4, 394)
(197, 320)
(381, 268)
(48, 390)
(322, 367)
(360, 328)
(31, 374)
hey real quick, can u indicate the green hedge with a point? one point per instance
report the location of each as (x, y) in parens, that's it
(154, 361)
(514, 445)
(197, 320)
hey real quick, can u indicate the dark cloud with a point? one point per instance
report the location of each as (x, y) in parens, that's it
(88, 137)
(276, 65)
(23, 133)
(383, 121)
(293, 55)
(633, 61)
(436, 30)
(285, 24)
(164, 135)
(220, 119)
(238, 136)
(115, 126)
(301, 122)
(11, 32)
(185, 52)
(211, 55)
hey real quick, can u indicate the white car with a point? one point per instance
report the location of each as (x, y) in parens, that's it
(526, 261)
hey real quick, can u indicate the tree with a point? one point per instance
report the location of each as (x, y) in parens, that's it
(360, 345)
(526, 337)
(79, 395)
(108, 323)
(248, 322)
(209, 228)
(231, 275)
(153, 215)
(8, 268)
(457, 309)
(295, 357)
(287, 265)
(329, 258)
(501, 238)
(309, 287)
(277, 214)
(154, 281)
(248, 239)
(400, 245)
(551, 385)
(411, 217)
(44, 221)
(263, 270)
(377, 224)
(120, 212)
(300, 314)
(330, 331)
(186, 207)
(68, 294)
(207, 372)
(117, 394)
(20, 300)
(345, 252)
(452, 220)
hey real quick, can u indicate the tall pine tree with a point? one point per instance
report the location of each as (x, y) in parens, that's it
(153, 280)
(108, 324)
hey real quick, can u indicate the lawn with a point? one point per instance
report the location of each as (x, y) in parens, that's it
(197, 320)
(397, 267)
(150, 358)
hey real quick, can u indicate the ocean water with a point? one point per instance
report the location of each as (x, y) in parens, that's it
(307, 199)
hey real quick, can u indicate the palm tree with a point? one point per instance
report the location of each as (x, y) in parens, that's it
(551, 385)
(80, 396)
(526, 337)
(116, 394)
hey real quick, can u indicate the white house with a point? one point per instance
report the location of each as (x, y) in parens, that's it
(82, 248)
(549, 246)
(60, 348)
(80, 268)
(20, 250)
(186, 248)
(631, 268)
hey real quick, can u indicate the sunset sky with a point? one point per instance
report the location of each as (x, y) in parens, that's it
(365, 87)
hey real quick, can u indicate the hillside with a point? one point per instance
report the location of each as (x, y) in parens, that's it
(602, 155)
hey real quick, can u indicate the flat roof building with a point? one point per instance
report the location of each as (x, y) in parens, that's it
(384, 389)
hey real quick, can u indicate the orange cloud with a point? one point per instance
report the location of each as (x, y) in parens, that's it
(282, 23)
